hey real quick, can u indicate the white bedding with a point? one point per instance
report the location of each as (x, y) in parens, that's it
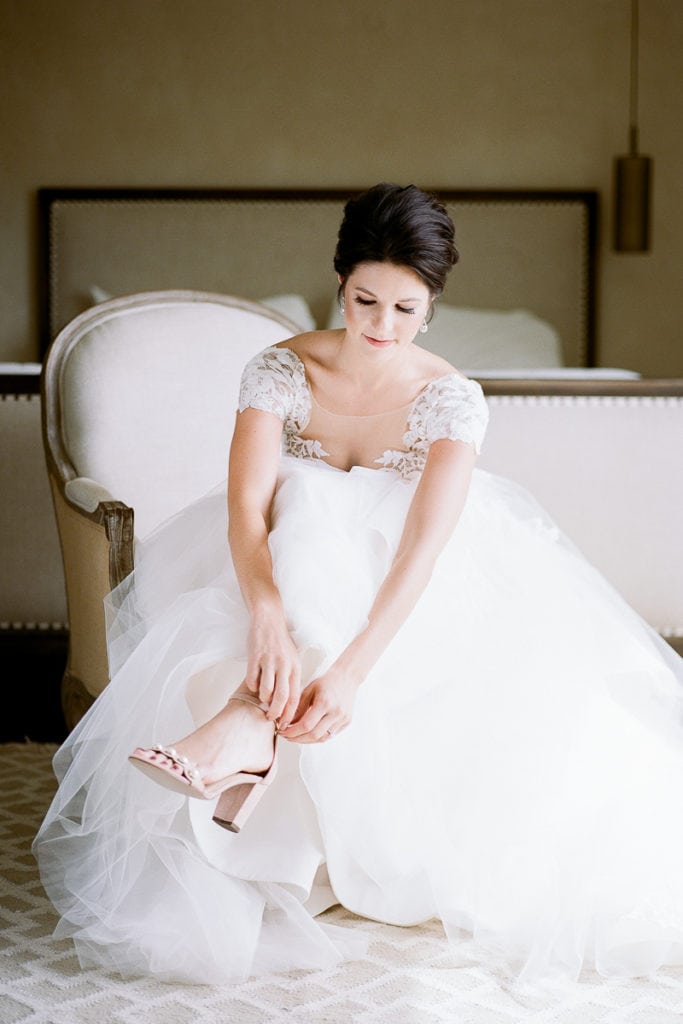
(554, 373)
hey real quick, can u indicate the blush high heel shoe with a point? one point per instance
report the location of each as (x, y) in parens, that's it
(239, 792)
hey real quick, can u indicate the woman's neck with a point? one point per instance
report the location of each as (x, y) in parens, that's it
(368, 371)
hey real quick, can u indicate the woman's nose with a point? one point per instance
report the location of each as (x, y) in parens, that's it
(384, 319)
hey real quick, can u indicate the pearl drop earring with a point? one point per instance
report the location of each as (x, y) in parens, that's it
(424, 327)
(342, 304)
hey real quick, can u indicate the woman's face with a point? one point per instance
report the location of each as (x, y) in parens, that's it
(384, 305)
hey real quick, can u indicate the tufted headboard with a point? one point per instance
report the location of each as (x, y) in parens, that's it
(520, 249)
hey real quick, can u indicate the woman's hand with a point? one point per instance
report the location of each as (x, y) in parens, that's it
(273, 666)
(325, 707)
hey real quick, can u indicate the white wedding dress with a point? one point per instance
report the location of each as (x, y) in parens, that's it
(514, 766)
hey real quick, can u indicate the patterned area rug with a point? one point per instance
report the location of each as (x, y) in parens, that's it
(410, 975)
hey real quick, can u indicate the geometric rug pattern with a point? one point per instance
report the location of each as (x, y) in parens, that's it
(409, 976)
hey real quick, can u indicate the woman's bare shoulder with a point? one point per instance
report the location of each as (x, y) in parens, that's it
(433, 366)
(313, 346)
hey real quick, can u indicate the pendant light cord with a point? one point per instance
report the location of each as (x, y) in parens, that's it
(633, 104)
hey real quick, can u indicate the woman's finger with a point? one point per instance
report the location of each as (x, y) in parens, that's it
(304, 720)
(281, 693)
(321, 733)
(266, 684)
(290, 708)
(327, 728)
(252, 676)
(312, 726)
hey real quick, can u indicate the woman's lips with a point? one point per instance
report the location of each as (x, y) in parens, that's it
(380, 342)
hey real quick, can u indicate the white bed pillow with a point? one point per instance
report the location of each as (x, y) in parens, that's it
(482, 339)
(294, 307)
(97, 295)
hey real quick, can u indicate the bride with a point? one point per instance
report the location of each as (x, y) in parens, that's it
(376, 708)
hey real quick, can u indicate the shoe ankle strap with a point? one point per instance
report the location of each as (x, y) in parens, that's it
(249, 698)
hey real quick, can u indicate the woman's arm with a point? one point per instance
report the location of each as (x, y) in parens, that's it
(273, 668)
(432, 517)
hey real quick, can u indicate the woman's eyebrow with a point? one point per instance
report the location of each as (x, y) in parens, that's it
(367, 291)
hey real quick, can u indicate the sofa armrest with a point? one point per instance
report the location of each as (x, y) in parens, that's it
(86, 493)
(117, 519)
(96, 503)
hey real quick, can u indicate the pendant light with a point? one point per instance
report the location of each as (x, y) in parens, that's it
(632, 173)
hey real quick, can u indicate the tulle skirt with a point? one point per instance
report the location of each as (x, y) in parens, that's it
(514, 766)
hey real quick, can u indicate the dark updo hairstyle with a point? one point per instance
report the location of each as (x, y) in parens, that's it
(401, 225)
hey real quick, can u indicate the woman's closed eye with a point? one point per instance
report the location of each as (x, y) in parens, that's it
(371, 302)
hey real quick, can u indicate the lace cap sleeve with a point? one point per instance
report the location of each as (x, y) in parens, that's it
(273, 381)
(454, 408)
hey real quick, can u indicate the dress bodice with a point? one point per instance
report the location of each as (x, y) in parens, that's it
(451, 407)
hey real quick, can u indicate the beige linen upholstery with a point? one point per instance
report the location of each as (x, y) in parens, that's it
(31, 591)
(606, 467)
(139, 402)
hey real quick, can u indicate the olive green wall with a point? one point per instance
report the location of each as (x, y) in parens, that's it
(445, 93)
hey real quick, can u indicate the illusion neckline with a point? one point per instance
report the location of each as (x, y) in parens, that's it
(361, 416)
(373, 415)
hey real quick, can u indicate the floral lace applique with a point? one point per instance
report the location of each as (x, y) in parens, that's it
(451, 408)
(275, 381)
(407, 464)
(302, 448)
